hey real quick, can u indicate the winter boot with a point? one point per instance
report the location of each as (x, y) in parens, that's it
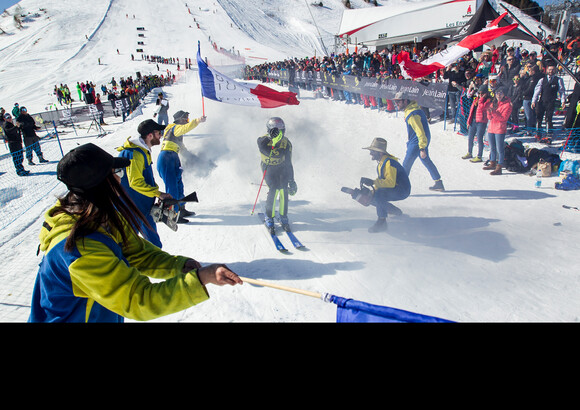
(379, 226)
(30, 162)
(41, 159)
(467, 156)
(496, 171)
(182, 220)
(185, 212)
(438, 186)
(491, 165)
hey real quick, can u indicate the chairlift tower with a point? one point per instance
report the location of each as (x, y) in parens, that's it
(565, 9)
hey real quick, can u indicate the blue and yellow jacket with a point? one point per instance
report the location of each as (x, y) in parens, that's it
(391, 175)
(138, 180)
(417, 125)
(102, 280)
(175, 132)
(170, 170)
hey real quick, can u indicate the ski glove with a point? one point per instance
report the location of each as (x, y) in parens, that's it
(367, 181)
(292, 188)
(276, 135)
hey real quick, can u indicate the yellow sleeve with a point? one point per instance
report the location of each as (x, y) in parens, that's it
(388, 178)
(181, 129)
(135, 176)
(415, 122)
(101, 276)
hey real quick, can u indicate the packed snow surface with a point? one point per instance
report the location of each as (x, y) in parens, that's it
(488, 249)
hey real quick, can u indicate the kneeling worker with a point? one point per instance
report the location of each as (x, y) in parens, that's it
(392, 183)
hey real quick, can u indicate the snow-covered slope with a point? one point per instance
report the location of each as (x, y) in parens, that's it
(489, 249)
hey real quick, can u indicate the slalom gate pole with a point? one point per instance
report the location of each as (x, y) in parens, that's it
(270, 285)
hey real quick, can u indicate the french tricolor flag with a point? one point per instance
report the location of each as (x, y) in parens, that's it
(219, 87)
(411, 69)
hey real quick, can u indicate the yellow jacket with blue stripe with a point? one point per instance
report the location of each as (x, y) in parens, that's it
(175, 132)
(387, 172)
(103, 280)
(417, 125)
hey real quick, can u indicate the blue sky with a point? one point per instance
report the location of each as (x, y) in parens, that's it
(4, 4)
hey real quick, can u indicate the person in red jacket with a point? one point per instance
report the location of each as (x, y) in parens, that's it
(498, 113)
(477, 122)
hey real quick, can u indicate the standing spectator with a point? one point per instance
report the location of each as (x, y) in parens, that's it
(477, 123)
(169, 164)
(547, 91)
(31, 140)
(392, 183)
(498, 112)
(138, 180)
(419, 137)
(509, 70)
(456, 78)
(163, 107)
(515, 93)
(100, 109)
(95, 266)
(15, 110)
(14, 139)
(530, 79)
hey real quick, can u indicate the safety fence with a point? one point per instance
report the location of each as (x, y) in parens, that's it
(19, 193)
(378, 93)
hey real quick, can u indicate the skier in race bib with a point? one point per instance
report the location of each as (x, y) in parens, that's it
(276, 163)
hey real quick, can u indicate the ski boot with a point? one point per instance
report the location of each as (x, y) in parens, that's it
(285, 224)
(269, 222)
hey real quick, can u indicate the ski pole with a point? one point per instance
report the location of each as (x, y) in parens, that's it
(261, 182)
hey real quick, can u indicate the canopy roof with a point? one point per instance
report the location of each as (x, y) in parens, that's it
(406, 21)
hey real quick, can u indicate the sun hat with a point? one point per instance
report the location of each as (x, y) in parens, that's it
(379, 145)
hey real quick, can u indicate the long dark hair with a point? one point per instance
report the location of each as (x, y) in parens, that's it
(106, 205)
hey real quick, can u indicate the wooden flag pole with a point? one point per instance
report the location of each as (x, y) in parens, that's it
(271, 285)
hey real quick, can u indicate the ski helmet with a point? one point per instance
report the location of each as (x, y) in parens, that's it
(275, 122)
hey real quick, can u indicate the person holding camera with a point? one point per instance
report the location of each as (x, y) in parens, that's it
(391, 184)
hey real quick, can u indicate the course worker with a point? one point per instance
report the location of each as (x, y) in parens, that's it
(391, 184)
(96, 267)
(138, 178)
(419, 138)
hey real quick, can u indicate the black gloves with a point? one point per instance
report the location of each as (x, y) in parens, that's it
(366, 181)
(292, 188)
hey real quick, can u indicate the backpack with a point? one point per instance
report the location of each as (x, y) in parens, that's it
(514, 157)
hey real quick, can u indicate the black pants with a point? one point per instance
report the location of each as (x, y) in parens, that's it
(277, 181)
(17, 155)
(545, 108)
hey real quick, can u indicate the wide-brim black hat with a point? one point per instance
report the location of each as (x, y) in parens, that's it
(87, 166)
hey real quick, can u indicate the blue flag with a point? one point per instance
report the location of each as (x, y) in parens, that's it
(354, 311)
